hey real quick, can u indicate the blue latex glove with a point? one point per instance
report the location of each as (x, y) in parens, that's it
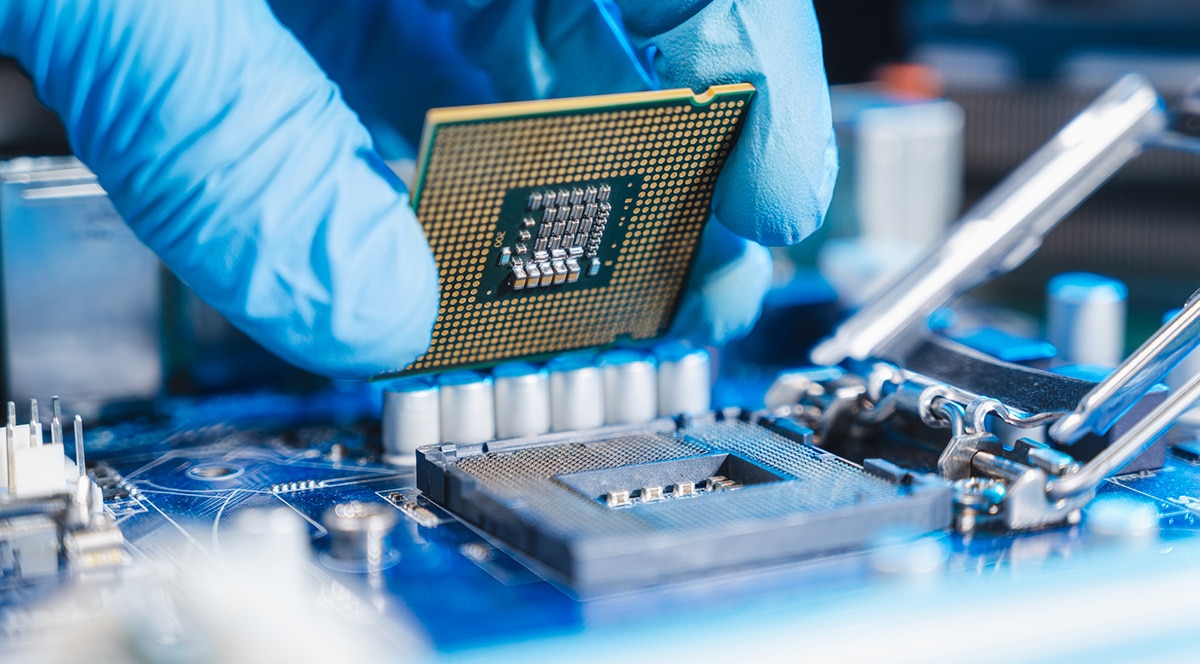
(778, 181)
(228, 151)
(725, 293)
(774, 188)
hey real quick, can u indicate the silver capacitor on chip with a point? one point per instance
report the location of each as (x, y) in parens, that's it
(1085, 318)
(576, 392)
(522, 393)
(684, 380)
(630, 387)
(411, 418)
(467, 409)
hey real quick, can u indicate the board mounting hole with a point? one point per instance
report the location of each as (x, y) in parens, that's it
(214, 471)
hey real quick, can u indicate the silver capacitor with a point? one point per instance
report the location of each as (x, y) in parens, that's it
(1085, 318)
(411, 419)
(576, 393)
(630, 387)
(359, 532)
(522, 400)
(467, 411)
(684, 380)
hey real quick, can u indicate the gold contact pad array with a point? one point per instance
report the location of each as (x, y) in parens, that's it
(673, 141)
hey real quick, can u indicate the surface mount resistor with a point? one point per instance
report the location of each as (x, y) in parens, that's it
(519, 277)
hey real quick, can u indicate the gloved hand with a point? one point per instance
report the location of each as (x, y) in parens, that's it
(778, 181)
(229, 153)
(774, 188)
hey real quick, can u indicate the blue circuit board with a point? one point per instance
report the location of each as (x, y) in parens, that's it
(190, 472)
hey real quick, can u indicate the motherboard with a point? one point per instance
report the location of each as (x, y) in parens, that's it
(555, 480)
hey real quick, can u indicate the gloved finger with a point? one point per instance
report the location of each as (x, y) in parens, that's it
(395, 59)
(778, 181)
(725, 291)
(232, 156)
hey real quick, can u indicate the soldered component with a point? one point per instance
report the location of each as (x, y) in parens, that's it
(684, 380)
(477, 552)
(619, 499)
(49, 517)
(358, 533)
(1085, 318)
(411, 418)
(682, 489)
(720, 483)
(411, 508)
(652, 494)
(302, 485)
(630, 388)
(520, 277)
(576, 394)
(522, 393)
(466, 408)
(30, 467)
(575, 226)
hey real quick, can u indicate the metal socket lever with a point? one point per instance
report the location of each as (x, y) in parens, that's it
(1007, 226)
(1100, 408)
(1129, 446)
(1026, 504)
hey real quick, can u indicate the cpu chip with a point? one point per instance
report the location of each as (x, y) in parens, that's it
(566, 224)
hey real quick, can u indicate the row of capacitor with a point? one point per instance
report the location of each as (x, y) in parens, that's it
(570, 393)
